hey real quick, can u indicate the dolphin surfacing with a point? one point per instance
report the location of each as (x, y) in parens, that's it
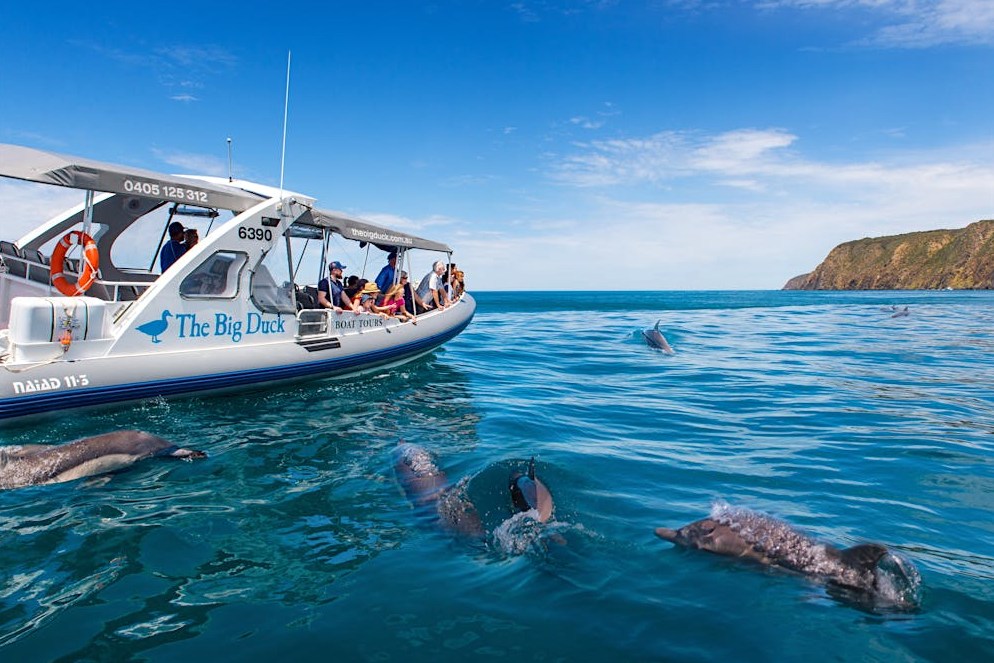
(736, 532)
(34, 464)
(655, 338)
(528, 492)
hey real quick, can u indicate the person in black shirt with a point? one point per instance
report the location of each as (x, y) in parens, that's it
(330, 290)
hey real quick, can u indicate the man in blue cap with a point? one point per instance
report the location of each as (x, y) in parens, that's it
(330, 290)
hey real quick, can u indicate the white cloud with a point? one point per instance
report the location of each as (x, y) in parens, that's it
(207, 57)
(586, 123)
(193, 163)
(915, 23)
(177, 67)
(668, 155)
(741, 209)
(185, 98)
(26, 205)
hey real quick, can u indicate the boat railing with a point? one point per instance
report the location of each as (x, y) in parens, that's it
(313, 322)
(33, 265)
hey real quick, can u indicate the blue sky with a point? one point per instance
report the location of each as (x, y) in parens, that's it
(645, 145)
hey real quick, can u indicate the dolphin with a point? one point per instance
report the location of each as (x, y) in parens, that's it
(528, 493)
(428, 488)
(655, 338)
(766, 540)
(900, 313)
(33, 464)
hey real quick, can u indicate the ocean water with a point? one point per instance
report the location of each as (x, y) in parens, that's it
(294, 541)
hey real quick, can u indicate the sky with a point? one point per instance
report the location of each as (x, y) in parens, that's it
(600, 144)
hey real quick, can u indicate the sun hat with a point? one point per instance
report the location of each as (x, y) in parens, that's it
(370, 289)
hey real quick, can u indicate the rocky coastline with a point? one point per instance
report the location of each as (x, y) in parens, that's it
(961, 259)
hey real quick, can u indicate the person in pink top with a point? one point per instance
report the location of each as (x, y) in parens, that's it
(394, 304)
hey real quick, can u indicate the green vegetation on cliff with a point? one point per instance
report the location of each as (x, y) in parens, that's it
(930, 260)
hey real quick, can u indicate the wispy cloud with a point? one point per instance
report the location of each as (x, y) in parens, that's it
(177, 67)
(25, 205)
(467, 180)
(761, 159)
(586, 122)
(740, 209)
(669, 155)
(914, 23)
(196, 164)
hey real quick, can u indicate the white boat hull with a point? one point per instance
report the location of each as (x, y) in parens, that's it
(76, 382)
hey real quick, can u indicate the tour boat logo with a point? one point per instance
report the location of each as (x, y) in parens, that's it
(156, 327)
(198, 325)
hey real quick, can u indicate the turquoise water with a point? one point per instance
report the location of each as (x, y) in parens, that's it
(293, 539)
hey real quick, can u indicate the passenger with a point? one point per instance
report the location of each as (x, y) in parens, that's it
(385, 279)
(394, 304)
(330, 290)
(458, 282)
(190, 238)
(354, 289)
(174, 248)
(431, 290)
(412, 304)
(367, 301)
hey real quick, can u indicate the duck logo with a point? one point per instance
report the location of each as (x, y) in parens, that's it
(156, 327)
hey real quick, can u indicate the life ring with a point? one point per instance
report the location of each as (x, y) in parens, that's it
(90, 263)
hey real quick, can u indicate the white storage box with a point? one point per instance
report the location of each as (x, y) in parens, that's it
(44, 319)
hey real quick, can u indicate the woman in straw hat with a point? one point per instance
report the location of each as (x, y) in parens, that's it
(367, 300)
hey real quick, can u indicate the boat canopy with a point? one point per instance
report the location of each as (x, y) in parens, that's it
(25, 163)
(32, 165)
(361, 231)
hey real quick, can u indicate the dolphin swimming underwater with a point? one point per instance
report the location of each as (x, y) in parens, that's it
(655, 338)
(33, 464)
(868, 569)
(427, 487)
(528, 493)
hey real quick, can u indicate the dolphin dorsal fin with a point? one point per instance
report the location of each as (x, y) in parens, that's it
(658, 322)
(864, 556)
(531, 468)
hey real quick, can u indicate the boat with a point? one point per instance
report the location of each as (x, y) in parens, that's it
(86, 323)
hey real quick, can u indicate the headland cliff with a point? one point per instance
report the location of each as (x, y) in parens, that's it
(928, 260)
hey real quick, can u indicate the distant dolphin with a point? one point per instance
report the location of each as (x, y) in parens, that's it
(655, 338)
(900, 313)
(33, 464)
(428, 487)
(528, 493)
(766, 540)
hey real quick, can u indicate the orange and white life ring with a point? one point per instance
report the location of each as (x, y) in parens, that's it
(90, 263)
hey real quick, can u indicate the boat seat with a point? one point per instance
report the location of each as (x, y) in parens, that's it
(307, 298)
(128, 293)
(14, 259)
(39, 266)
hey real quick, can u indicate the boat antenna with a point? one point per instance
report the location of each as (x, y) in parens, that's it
(286, 107)
(229, 160)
